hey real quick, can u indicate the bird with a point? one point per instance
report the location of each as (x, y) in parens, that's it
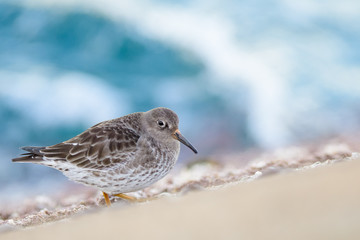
(117, 156)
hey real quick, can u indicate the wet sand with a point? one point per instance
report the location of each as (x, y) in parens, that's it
(319, 203)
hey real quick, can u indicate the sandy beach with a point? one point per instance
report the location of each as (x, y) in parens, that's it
(319, 203)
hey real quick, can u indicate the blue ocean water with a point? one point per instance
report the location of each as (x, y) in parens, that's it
(240, 74)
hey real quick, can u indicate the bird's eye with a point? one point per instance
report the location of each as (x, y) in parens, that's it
(161, 123)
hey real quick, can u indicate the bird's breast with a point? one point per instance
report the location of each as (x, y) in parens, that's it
(151, 162)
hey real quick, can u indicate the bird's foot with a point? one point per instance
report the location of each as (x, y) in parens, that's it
(126, 197)
(132, 199)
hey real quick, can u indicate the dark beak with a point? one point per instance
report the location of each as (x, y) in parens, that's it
(177, 135)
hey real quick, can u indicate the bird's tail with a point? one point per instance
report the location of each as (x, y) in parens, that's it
(33, 155)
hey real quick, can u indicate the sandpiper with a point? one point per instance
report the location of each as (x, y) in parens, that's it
(118, 156)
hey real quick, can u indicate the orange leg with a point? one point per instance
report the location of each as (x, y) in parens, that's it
(107, 200)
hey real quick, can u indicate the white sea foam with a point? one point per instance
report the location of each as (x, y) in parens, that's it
(241, 48)
(51, 99)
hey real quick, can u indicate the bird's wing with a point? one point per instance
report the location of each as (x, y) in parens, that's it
(99, 147)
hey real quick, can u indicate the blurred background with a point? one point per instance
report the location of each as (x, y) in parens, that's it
(240, 74)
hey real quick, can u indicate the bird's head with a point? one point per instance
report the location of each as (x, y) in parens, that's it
(163, 124)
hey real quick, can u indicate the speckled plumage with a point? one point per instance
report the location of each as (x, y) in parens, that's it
(122, 155)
